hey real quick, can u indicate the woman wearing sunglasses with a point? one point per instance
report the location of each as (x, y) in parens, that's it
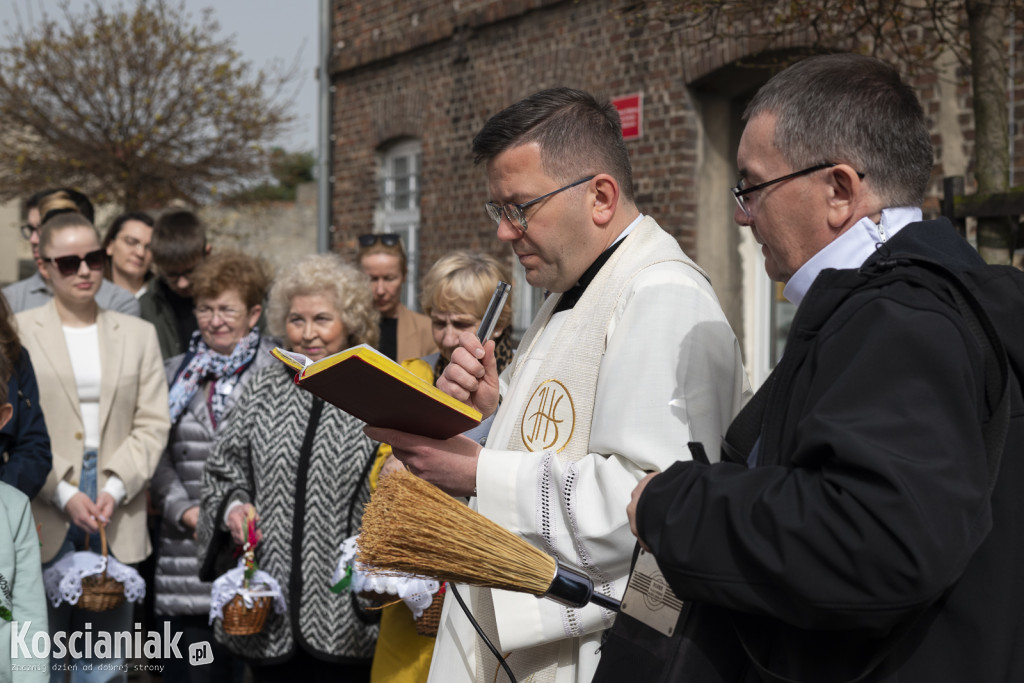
(404, 334)
(104, 397)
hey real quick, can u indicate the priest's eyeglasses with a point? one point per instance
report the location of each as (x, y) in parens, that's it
(516, 213)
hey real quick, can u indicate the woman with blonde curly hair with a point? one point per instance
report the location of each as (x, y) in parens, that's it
(300, 466)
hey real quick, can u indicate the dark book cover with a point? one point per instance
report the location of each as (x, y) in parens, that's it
(380, 392)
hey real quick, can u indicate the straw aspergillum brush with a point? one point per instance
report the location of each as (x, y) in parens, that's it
(411, 526)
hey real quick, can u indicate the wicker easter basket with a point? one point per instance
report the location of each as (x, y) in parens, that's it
(430, 620)
(101, 593)
(240, 620)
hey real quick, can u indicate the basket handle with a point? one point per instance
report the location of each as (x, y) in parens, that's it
(103, 546)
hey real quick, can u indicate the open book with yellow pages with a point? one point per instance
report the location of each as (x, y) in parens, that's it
(367, 384)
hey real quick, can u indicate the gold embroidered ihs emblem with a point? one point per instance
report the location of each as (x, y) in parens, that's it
(549, 418)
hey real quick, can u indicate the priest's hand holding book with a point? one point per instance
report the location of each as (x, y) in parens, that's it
(449, 464)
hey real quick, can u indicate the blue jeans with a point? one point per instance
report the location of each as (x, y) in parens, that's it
(87, 485)
(69, 618)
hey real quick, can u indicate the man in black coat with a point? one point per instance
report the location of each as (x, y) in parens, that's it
(854, 529)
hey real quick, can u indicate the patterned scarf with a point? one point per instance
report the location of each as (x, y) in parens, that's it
(503, 352)
(203, 363)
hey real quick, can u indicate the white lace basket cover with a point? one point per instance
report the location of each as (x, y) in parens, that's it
(63, 580)
(417, 592)
(229, 584)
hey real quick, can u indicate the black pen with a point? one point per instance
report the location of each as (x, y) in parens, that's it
(490, 318)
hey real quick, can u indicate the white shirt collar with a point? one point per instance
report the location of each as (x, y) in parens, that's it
(851, 249)
(629, 229)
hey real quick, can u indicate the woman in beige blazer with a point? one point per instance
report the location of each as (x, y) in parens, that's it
(404, 334)
(108, 422)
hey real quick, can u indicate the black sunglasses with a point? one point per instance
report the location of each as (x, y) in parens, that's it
(69, 265)
(388, 239)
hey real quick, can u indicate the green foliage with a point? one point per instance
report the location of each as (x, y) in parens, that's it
(289, 170)
(138, 105)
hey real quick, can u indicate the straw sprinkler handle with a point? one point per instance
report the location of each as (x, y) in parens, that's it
(574, 589)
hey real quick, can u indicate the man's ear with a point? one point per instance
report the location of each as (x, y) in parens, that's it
(6, 412)
(847, 196)
(605, 193)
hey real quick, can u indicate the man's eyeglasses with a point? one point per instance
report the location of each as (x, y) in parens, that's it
(739, 192)
(388, 239)
(69, 265)
(516, 212)
(28, 230)
(228, 315)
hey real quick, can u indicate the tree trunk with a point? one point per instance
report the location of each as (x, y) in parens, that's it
(987, 24)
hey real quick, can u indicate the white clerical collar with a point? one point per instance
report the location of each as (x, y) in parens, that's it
(629, 229)
(851, 249)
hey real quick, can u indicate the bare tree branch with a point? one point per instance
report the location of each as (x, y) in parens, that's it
(138, 105)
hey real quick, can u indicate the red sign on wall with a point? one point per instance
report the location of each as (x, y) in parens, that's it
(631, 112)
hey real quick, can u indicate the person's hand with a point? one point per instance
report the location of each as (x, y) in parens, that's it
(83, 512)
(391, 465)
(631, 508)
(448, 464)
(239, 527)
(472, 374)
(105, 504)
(190, 517)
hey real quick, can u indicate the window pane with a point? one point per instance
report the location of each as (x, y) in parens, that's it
(402, 188)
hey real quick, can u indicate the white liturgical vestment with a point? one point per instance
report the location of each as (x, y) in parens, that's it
(596, 397)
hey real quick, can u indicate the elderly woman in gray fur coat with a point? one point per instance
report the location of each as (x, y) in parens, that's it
(301, 467)
(206, 382)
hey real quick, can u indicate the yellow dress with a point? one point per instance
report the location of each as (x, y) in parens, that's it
(402, 655)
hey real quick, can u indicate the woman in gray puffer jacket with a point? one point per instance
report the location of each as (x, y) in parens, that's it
(224, 354)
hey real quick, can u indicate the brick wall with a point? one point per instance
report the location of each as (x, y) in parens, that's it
(437, 70)
(444, 87)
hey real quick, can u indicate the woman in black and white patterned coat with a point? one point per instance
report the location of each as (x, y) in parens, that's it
(306, 499)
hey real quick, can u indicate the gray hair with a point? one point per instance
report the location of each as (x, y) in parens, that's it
(847, 108)
(329, 276)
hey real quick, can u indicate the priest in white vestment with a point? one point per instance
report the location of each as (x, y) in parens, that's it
(629, 360)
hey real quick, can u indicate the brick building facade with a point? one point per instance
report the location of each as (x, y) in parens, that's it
(428, 73)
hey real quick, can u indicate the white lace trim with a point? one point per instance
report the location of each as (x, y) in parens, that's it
(547, 494)
(229, 584)
(586, 563)
(417, 592)
(63, 580)
(547, 490)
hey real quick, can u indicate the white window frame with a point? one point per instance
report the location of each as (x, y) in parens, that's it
(398, 205)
